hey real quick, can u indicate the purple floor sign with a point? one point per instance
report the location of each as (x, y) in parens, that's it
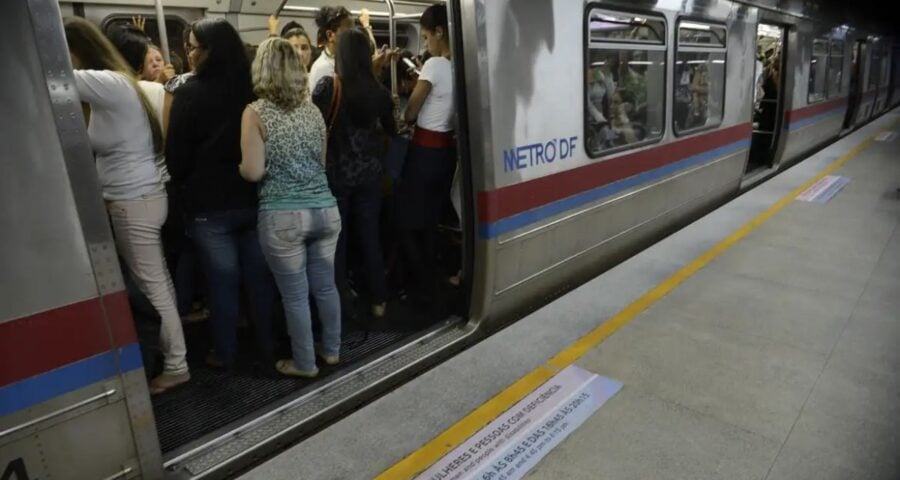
(513, 443)
(824, 190)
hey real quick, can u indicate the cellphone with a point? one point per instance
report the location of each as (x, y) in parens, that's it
(410, 64)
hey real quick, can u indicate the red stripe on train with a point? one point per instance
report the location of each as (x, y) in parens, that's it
(812, 110)
(48, 340)
(507, 201)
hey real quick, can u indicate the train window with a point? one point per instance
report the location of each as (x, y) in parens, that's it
(835, 68)
(874, 67)
(175, 27)
(701, 35)
(625, 76)
(885, 71)
(606, 26)
(699, 80)
(817, 71)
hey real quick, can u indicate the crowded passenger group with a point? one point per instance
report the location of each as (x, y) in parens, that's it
(261, 166)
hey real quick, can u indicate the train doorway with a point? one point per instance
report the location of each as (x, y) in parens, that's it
(856, 57)
(768, 104)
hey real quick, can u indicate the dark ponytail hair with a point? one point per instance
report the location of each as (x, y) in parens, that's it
(226, 64)
(433, 17)
(353, 62)
(132, 47)
(329, 18)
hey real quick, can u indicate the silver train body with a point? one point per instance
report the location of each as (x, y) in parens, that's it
(542, 212)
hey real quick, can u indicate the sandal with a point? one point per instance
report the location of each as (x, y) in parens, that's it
(329, 359)
(167, 381)
(286, 367)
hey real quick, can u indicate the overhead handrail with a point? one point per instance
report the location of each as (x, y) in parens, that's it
(392, 40)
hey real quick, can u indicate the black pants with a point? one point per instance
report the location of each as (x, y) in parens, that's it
(360, 209)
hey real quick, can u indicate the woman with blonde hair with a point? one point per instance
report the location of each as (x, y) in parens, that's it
(283, 148)
(126, 136)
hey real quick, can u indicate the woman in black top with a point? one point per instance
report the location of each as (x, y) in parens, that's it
(203, 153)
(354, 161)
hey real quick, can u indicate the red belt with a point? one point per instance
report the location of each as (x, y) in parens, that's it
(431, 139)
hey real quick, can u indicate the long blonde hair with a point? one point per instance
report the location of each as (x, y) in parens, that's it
(96, 52)
(278, 74)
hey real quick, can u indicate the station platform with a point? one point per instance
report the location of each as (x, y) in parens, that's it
(760, 342)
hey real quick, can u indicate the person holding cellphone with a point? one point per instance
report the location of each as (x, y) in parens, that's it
(431, 160)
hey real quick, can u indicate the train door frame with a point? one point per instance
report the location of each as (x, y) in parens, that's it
(855, 90)
(763, 150)
(463, 156)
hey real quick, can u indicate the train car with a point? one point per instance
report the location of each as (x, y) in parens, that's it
(586, 131)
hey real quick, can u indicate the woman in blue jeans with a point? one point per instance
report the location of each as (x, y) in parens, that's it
(203, 152)
(283, 146)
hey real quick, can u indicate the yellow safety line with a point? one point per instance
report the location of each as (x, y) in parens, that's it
(439, 446)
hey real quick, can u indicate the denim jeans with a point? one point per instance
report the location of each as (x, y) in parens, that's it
(229, 251)
(299, 246)
(137, 224)
(360, 209)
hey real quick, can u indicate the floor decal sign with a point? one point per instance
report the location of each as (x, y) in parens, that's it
(513, 443)
(824, 190)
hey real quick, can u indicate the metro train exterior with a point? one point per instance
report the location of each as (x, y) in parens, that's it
(551, 195)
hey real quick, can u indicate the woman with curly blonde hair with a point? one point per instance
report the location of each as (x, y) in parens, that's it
(283, 147)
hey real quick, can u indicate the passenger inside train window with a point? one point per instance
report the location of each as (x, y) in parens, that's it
(818, 71)
(126, 136)
(358, 119)
(625, 81)
(624, 98)
(332, 21)
(428, 173)
(700, 90)
(203, 153)
(835, 68)
(283, 144)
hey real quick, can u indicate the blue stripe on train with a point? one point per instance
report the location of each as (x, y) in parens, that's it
(46, 386)
(509, 224)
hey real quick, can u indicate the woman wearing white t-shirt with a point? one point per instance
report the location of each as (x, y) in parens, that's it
(126, 138)
(424, 188)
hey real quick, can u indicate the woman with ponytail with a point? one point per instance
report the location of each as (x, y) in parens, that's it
(126, 136)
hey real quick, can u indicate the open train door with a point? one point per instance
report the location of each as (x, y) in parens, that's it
(768, 113)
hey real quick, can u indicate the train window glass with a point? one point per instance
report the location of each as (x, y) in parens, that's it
(835, 68)
(175, 27)
(885, 71)
(699, 79)
(624, 81)
(607, 26)
(699, 34)
(817, 71)
(874, 67)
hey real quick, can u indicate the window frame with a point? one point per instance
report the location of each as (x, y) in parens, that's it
(831, 44)
(589, 44)
(696, 48)
(827, 40)
(176, 47)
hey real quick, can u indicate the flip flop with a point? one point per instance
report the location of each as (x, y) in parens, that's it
(286, 367)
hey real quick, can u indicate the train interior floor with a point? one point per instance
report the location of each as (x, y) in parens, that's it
(778, 359)
(216, 399)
